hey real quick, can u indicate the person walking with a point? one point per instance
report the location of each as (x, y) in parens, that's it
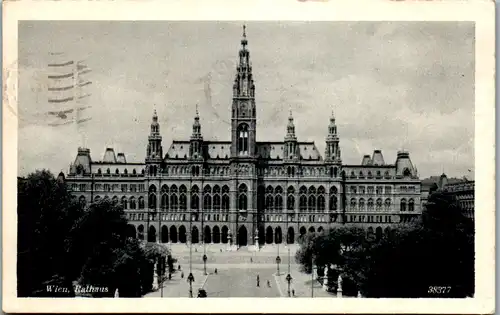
(182, 275)
(215, 270)
(268, 283)
(293, 292)
(258, 281)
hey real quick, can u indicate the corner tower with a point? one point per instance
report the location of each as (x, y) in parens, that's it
(154, 154)
(243, 117)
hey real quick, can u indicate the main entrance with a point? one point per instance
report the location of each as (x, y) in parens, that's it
(242, 236)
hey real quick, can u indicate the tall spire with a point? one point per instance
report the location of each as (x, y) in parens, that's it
(243, 83)
(155, 126)
(196, 126)
(244, 41)
(290, 128)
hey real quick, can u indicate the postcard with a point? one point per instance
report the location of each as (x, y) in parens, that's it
(250, 156)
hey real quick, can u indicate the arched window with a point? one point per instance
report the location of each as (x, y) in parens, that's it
(216, 198)
(333, 203)
(411, 205)
(117, 172)
(402, 205)
(115, 201)
(361, 204)
(132, 203)
(225, 199)
(152, 197)
(333, 190)
(353, 204)
(108, 171)
(141, 202)
(278, 203)
(164, 197)
(269, 203)
(387, 204)
(290, 203)
(303, 203)
(195, 199)
(182, 198)
(379, 204)
(321, 203)
(207, 198)
(174, 199)
(124, 202)
(312, 203)
(99, 171)
(370, 204)
(207, 202)
(242, 197)
(243, 139)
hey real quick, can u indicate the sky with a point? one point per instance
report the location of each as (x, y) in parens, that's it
(390, 85)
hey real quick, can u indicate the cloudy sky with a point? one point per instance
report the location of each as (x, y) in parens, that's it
(392, 86)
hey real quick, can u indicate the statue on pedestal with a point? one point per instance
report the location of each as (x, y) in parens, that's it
(325, 279)
(339, 286)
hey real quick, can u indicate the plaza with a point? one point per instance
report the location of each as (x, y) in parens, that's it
(237, 272)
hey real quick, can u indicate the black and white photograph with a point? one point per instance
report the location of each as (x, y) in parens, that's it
(249, 158)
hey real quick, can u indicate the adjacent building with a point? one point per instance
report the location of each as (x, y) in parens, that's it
(243, 191)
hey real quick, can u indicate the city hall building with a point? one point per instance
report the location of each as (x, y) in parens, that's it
(243, 191)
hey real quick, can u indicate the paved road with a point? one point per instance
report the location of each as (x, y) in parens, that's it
(241, 282)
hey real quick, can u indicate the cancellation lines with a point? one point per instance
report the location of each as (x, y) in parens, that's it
(67, 90)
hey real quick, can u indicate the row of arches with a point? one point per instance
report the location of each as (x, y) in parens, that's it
(378, 205)
(127, 203)
(222, 235)
(117, 172)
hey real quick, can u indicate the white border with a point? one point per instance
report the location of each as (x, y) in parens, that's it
(481, 12)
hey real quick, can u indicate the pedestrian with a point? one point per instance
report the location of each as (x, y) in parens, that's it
(251, 260)
(268, 283)
(293, 292)
(169, 276)
(179, 267)
(215, 270)
(182, 275)
(221, 250)
(258, 281)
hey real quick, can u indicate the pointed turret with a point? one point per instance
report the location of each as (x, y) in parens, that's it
(332, 151)
(291, 147)
(155, 150)
(195, 146)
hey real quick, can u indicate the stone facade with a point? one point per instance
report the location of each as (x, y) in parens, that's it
(242, 190)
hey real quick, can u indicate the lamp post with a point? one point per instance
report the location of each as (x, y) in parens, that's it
(190, 279)
(278, 261)
(288, 279)
(205, 263)
(312, 276)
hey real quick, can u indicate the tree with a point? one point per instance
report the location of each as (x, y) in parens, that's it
(438, 250)
(60, 244)
(46, 214)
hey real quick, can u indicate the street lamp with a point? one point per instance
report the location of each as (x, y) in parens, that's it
(278, 261)
(288, 279)
(312, 276)
(190, 279)
(205, 263)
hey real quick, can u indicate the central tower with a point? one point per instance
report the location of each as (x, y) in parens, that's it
(243, 117)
